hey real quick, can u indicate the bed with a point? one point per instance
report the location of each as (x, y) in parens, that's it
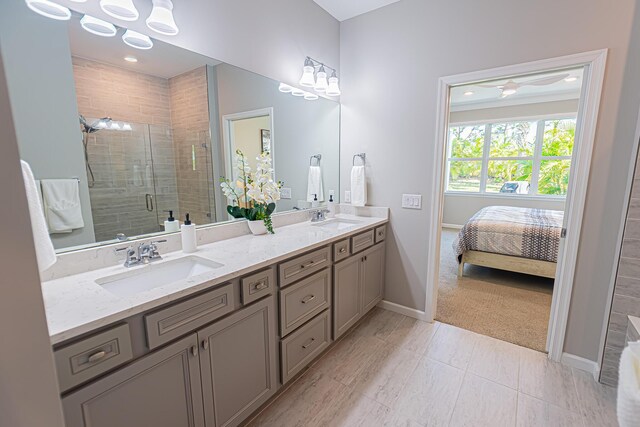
(510, 238)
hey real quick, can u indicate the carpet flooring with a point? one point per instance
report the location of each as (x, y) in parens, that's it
(508, 306)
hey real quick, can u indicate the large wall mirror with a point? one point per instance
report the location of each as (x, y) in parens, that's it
(159, 127)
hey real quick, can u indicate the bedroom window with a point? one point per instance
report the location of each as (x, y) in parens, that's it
(529, 157)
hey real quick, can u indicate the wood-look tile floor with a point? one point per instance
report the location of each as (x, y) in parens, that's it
(392, 370)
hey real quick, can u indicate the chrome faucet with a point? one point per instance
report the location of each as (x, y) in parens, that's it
(146, 253)
(318, 215)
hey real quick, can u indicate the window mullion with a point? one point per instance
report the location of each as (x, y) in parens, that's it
(537, 156)
(485, 158)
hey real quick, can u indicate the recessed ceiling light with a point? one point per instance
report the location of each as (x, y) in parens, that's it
(130, 58)
(161, 18)
(137, 40)
(571, 79)
(121, 9)
(49, 9)
(98, 26)
(468, 93)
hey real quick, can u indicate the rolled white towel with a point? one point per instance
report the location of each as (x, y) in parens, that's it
(45, 254)
(629, 386)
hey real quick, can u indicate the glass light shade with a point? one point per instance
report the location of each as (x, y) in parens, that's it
(285, 88)
(126, 126)
(79, 1)
(137, 40)
(307, 78)
(115, 126)
(507, 92)
(49, 9)
(333, 89)
(98, 26)
(297, 92)
(310, 96)
(121, 9)
(321, 81)
(161, 18)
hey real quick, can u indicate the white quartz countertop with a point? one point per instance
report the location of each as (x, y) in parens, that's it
(76, 304)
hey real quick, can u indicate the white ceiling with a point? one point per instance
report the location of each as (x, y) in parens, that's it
(163, 60)
(346, 9)
(483, 97)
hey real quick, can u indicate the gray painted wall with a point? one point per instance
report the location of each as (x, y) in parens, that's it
(29, 388)
(271, 38)
(301, 128)
(391, 60)
(43, 97)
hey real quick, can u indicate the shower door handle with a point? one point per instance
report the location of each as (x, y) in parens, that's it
(149, 201)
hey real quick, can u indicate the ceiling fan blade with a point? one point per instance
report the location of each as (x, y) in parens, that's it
(545, 80)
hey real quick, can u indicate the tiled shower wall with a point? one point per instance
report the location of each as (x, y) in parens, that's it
(190, 120)
(626, 294)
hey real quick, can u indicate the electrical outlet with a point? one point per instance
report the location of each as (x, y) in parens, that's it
(285, 193)
(347, 196)
(412, 201)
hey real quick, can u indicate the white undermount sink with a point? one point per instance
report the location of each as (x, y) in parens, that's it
(156, 275)
(336, 223)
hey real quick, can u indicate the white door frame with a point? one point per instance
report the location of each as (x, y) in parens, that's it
(594, 63)
(227, 135)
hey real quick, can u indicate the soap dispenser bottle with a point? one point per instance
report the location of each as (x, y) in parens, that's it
(331, 207)
(315, 203)
(188, 233)
(171, 225)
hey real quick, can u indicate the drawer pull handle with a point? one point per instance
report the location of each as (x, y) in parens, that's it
(260, 286)
(97, 356)
(305, 346)
(342, 250)
(309, 264)
(308, 298)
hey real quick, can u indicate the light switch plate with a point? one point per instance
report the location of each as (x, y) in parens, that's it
(412, 201)
(347, 196)
(285, 193)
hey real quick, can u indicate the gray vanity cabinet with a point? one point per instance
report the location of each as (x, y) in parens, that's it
(358, 287)
(162, 389)
(239, 363)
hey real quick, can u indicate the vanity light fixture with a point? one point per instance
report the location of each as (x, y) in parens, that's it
(571, 79)
(310, 96)
(297, 92)
(468, 93)
(334, 88)
(131, 58)
(126, 126)
(79, 1)
(137, 40)
(314, 75)
(49, 9)
(98, 26)
(161, 18)
(120, 9)
(285, 88)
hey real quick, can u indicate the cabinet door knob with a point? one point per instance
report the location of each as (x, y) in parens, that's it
(205, 344)
(308, 298)
(96, 356)
(305, 346)
(194, 350)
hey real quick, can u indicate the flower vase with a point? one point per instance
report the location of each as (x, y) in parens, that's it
(257, 227)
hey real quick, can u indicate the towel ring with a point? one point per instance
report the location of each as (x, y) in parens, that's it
(362, 156)
(317, 157)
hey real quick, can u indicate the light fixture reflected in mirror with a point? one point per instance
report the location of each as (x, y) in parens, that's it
(285, 88)
(126, 126)
(120, 9)
(310, 96)
(137, 40)
(98, 26)
(297, 92)
(131, 58)
(49, 9)
(161, 18)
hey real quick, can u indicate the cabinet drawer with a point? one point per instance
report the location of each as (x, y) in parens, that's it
(257, 286)
(304, 265)
(305, 299)
(93, 356)
(362, 241)
(341, 250)
(172, 322)
(381, 233)
(301, 347)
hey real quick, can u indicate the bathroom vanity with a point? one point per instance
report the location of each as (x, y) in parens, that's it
(212, 347)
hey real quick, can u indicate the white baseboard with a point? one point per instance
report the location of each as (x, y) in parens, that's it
(581, 363)
(454, 226)
(401, 309)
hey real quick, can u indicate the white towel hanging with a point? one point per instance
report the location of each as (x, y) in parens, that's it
(358, 186)
(45, 254)
(314, 184)
(628, 402)
(62, 205)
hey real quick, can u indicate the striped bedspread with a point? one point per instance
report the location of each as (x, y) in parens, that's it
(523, 232)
